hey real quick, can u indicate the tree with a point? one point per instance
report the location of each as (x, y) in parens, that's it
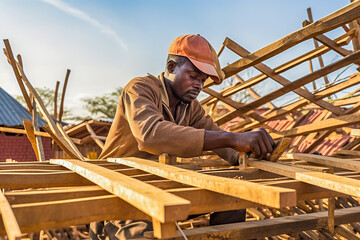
(103, 106)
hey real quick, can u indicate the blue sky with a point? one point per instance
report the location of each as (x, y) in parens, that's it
(106, 42)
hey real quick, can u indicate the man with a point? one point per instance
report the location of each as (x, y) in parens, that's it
(158, 115)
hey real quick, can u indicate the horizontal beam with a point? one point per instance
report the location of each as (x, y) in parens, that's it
(272, 227)
(325, 180)
(269, 196)
(155, 202)
(327, 124)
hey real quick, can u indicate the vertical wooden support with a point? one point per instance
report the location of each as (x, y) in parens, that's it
(39, 145)
(167, 159)
(61, 111)
(321, 62)
(163, 230)
(242, 160)
(331, 215)
(55, 99)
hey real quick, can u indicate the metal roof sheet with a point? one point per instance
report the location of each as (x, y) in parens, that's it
(12, 112)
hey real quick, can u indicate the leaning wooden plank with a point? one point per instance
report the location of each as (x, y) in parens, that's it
(69, 141)
(270, 196)
(61, 142)
(272, 227)
(39, 145)
(153, 201)
(61, 110)
(31, 136)
(291, 86)
(325, 160)
(94, 136)
(233, 46)
(332, 21)
(11, 225)
(331, 123)
(12, 62)
(325, 180)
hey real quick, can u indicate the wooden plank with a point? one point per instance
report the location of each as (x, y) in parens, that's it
(61, 110)
(11, 225)
(270, 196)
(331, 123)
(12, 62)
(21, 131)
(55, 99)
(321, 62)
(153, 201)
(61, 142)
(291, 86)
(94, 136)
(332, 21)
(271, 227)
(44, 112)
(324, 180)
(325, 160)
(31, 136)
(348, 152)
(39, 145)
(282, 68)
(278, 78)
(70, 142)
(353, 80)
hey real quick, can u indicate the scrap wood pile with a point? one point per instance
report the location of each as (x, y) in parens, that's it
(301, 195)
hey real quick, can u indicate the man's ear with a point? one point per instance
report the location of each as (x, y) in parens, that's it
(171, 65)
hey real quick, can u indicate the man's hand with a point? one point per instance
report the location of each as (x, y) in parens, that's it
(258, 141)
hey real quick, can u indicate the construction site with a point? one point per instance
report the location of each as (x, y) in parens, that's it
(54, 184)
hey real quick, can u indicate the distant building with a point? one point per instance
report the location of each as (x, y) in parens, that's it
(13, 145)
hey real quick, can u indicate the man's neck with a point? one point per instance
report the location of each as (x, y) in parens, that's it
(173, 100)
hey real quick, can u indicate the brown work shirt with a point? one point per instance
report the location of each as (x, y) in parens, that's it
(144, 126)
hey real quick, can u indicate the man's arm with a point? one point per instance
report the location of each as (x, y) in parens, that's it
(258, 141)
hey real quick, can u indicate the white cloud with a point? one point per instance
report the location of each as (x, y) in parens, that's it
(86, 18)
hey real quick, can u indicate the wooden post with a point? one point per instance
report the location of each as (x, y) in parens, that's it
(61, 111)
(55, 99)
(163, 230)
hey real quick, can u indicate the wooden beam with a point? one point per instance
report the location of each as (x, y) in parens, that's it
(55, 99)
(94, 136)
(270, 196)
(282, 68)
(61, 110)
(9, 54)
(321, 62)
(39, 145)
(8, 218)
(31, 136)
(331, 123)
(155, 202)
(70, 142)
(353, 80)
(272, 227)
(332, 21)
(290, 87)
(325, 160)
(278, 78)
(324, 180)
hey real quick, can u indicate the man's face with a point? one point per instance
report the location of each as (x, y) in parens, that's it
(188, 82)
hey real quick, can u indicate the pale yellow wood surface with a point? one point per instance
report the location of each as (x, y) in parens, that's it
(153, 201)
(270, 196)
(325, 180)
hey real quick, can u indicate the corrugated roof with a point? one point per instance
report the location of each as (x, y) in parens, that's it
(12, 112)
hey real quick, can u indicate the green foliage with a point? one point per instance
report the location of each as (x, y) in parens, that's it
(103, 106)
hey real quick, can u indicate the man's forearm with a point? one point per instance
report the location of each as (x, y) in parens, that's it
(217, 139)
